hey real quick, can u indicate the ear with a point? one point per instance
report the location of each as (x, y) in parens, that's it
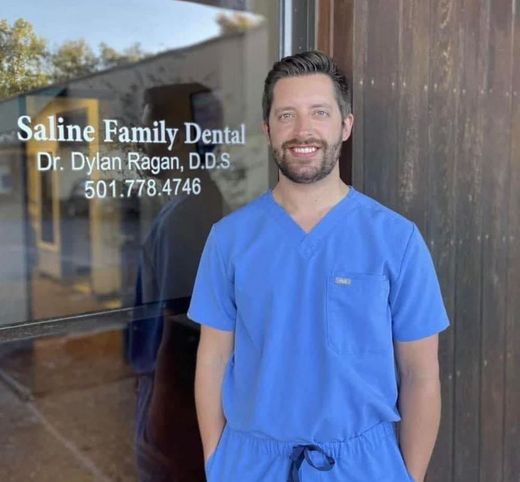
(347, 126)
(267, 133)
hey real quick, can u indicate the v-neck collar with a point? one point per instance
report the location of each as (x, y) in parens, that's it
(307, 243)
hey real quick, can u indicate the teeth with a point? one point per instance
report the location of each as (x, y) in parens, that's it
(304, 150)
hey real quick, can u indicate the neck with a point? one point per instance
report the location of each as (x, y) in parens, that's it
(315, 197)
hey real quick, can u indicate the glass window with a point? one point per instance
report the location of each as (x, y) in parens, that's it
(127, 128)
(110, 121)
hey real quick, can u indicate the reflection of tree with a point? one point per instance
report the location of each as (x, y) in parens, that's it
(109, 57)
(22, 58)
(26, 63)
(237, 22)
(73, 59)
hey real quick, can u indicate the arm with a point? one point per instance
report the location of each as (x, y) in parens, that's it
(419, 402)
(215, 348)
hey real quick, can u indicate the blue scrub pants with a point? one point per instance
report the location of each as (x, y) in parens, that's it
(371, 456)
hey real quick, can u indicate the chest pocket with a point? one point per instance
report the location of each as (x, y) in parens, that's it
(357, 319)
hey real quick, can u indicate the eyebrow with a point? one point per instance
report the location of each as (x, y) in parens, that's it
(313, 106)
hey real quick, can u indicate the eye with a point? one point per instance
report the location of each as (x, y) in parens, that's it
(321, 113)
(285, 116)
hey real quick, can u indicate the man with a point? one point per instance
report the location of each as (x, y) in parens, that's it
(306, 297)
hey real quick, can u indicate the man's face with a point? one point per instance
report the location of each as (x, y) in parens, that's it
(305, 128)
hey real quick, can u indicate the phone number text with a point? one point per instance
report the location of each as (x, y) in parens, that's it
(101, 188)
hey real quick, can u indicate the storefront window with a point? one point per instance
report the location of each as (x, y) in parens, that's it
(123, 137)
(113, 117)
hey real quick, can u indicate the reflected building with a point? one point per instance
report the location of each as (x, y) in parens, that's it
(121, 398)
(92, 245)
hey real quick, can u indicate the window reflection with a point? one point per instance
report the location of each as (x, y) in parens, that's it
(87, 222)
(46, 211)
(79, 241)
(162, 351)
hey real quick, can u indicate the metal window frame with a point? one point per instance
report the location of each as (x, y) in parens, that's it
(297, 26)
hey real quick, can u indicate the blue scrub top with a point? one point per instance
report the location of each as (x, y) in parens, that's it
(315, 315)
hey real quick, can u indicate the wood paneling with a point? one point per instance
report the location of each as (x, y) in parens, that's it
(342, 34)
(439, 149)
(436, 91)
(495, 174)
(360, 31)
(381, 102)
(413, 156)
(468, 281)
(343, 53)
(512, 343)
(325, 29)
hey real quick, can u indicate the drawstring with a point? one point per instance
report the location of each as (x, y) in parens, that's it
(301, 452)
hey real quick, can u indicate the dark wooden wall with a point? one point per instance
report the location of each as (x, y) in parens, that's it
(436, 88)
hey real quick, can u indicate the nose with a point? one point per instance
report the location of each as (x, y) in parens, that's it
(303, 126)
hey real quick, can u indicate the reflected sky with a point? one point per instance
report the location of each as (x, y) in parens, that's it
(157, 25)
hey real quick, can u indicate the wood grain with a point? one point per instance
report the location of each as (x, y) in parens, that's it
(511, 465)
(381, 101)
(436, 89)
(436, 200)
(360, 40)
(495, 172)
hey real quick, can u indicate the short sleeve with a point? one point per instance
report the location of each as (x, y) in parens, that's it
(415, 296)
(212, 301)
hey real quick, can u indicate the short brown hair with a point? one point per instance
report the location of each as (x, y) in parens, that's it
(307, 63)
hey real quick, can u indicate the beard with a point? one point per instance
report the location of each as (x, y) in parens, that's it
(307, 171)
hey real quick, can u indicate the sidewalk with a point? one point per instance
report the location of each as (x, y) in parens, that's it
(67, 410)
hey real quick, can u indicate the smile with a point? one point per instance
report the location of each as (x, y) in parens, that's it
(304, 150)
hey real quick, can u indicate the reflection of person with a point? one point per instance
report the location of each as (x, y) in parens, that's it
(167, 442)
(305, 297)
